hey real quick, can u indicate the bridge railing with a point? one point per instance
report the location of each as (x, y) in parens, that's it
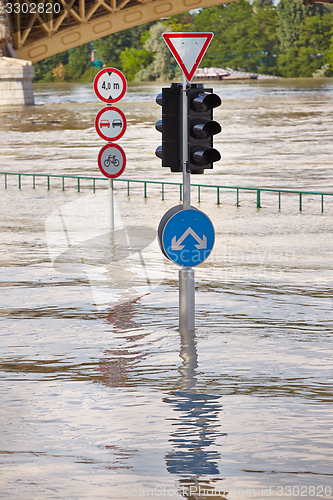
(163, 184)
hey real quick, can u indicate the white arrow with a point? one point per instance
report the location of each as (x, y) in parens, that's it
(176, 245)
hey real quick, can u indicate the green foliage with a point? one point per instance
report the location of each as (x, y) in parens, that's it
(78, 62)
(89, 74)
(163, 66)
(264, 37)
(330, 53)
(144, 37)
(290, 40)
(180, 22)
(244, 36)
(133, 60)
(304, 35)
(291, 14)
(43, 69)
(110, 48)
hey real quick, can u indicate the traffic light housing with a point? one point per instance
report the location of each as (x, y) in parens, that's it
(200, 123)
(202, 128)
(171, 127)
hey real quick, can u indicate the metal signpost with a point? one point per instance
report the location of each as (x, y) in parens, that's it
(187, 239)
(186, 235)
(110, 123)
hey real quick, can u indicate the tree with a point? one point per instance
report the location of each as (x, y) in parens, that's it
(78, 61)
(304, 34)
(163, 66)
(330, 53)
(59, 73)
(133, 60)
(44, 69)
(245, 35)
(291, 15)
(180, 22)
(109, 49)
(265, 22)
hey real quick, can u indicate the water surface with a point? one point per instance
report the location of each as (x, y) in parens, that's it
(101, 396)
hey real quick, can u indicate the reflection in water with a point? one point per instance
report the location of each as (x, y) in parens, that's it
(194, 434)
(118, 363)
(120, 457)
(120, 317)
(197, 425)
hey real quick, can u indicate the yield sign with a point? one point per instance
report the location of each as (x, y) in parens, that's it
(188, 49)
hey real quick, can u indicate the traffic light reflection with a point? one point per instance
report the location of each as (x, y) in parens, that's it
(196, 423)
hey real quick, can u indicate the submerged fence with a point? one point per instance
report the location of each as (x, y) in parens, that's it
(163, 184)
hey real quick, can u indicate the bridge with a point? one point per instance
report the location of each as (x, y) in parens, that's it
(42, 28)
(60, 25)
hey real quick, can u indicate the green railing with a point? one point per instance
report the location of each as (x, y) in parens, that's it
(238, 189)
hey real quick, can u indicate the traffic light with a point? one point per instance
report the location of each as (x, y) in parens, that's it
(202, 128)
(171, 127)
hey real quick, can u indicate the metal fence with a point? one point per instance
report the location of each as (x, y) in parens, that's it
(163, 184)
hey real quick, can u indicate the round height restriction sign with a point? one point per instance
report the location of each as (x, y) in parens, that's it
(110, 123)
(111, 160)
(110, 85)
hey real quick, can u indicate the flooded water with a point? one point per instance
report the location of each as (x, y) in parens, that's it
(101, 397)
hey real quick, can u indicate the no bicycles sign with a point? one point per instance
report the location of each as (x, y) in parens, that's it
(111, 161)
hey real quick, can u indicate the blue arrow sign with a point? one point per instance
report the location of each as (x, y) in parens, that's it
(188, 237)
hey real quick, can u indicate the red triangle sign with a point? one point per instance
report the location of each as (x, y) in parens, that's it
(188, 49)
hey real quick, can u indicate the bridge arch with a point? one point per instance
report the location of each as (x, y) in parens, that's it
(80, 21)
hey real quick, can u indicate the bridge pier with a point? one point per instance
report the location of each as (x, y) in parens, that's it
(16, 82)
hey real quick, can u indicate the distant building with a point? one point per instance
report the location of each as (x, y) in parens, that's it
(227, 74)
(210, 73)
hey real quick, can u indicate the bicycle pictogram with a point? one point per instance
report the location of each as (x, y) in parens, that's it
(111, 159)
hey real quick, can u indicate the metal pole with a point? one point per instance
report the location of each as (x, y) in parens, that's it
(111, 199)
(186, 300)
(258, 198)
(189, 356)
(186, 275)
(111, 204)
(186, 175)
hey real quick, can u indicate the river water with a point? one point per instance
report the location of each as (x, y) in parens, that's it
(101, 397)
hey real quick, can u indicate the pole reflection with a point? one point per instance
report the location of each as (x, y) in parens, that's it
(196, 427)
